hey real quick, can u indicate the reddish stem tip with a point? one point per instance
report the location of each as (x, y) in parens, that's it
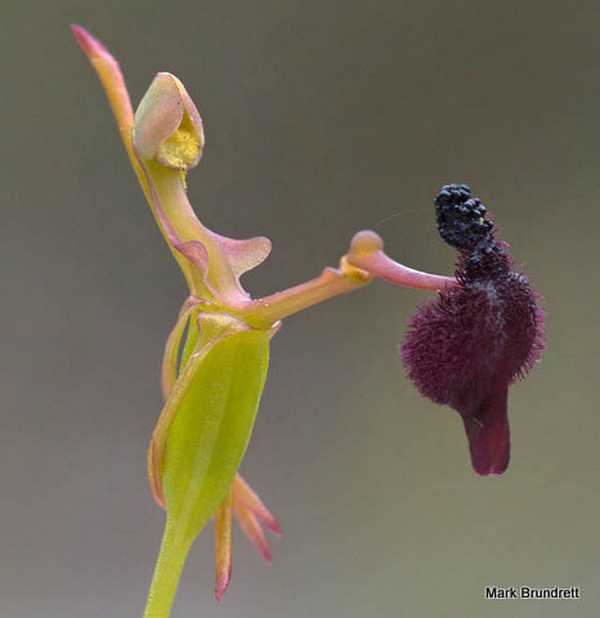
(274, 526)
(266, 554)
(222, 585)
(89, 45)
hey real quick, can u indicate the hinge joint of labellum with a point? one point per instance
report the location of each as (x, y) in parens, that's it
(217, 355)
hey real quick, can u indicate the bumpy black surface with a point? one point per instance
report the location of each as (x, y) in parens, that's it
(461, 219)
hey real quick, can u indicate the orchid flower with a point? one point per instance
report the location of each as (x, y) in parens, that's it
(216, 357)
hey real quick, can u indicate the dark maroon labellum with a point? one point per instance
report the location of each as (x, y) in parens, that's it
(466, 347)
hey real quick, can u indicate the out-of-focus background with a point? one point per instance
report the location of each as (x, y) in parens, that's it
(322, 118)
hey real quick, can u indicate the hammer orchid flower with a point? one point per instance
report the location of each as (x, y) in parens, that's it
(216, 357)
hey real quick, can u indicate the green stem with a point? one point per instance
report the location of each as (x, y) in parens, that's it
(167, 572)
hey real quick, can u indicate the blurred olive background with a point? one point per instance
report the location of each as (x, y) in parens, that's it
(322, 118)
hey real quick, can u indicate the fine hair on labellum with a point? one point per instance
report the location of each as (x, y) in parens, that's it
(464, 348)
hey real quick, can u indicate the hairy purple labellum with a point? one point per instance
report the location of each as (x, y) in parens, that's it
(466, 347)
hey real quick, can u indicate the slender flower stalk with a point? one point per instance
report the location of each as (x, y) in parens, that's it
(216, 357)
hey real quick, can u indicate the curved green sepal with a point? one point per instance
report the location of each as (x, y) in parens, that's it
(215, 401)
(201, 436)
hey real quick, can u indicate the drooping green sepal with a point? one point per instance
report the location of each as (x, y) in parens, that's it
(212, 409)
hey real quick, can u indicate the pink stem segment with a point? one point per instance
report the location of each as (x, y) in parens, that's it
(332, 282)
(366, 253)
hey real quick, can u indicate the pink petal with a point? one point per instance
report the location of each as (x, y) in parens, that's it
(252, 529)
(245, 496)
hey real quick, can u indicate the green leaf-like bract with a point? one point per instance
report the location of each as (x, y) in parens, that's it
(213, 424)
(207, 423)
